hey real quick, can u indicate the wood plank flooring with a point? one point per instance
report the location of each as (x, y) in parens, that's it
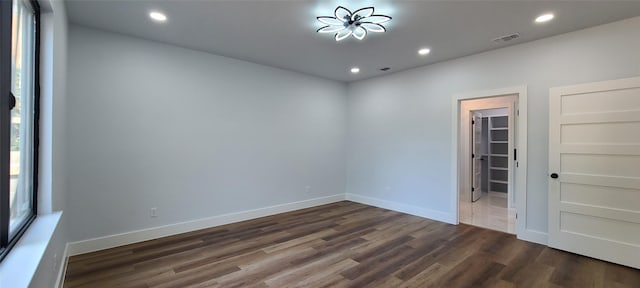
(343, 244)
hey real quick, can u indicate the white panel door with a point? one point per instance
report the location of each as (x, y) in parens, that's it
(594, 166)
(476, 164)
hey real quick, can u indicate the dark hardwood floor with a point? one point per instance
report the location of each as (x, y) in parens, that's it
(343, 244)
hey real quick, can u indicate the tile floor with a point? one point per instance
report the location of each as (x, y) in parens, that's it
(490, 211)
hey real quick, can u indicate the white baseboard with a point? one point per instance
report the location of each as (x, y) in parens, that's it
(62, 271)
(404, 208)
(528, 235)
(533, 236)
(106, 242)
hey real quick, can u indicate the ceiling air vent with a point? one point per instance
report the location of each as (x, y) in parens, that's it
(385, 69)
(507, 38)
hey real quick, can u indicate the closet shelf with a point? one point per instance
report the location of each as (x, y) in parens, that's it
(497, 191)
(495, 136)
(499, 168)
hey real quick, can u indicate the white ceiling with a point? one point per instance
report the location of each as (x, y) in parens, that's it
(282, 33)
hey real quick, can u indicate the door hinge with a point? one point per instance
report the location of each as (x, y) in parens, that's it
(473, 122)
(473, 189)
(518, 112)
(515, 154)
(473, 156)
(516, 215)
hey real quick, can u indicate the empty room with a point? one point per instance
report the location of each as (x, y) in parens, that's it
(299, 143)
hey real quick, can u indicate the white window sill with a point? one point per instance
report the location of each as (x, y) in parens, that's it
(18, 268)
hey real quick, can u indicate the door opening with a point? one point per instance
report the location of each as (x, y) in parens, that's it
(461, 164)
(486, 195)
(489, 203)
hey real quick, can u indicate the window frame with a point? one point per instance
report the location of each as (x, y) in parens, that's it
(6, 17)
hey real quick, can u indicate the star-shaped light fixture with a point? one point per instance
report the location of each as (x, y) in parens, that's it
(356, 24)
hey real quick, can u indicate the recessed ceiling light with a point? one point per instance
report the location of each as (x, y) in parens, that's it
(544, 18)
(355, 70)
(424, 51)
(157, 16)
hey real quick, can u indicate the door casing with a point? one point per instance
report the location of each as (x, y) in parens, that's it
(461, 164)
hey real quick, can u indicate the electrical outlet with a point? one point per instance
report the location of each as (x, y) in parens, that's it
(307, 189)
(153, 212)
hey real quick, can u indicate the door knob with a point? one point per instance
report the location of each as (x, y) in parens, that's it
(554, 175)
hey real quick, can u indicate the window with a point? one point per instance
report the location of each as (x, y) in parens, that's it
(19, 112)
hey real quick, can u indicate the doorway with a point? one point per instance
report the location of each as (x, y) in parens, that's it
(491, 195)
(491, 158)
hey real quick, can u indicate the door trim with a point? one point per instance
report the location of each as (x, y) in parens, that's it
(520, 188)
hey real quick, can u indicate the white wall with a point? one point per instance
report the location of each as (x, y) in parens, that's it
(52, 181)
(194, 134)
(400, 125)
(59, 107)
(53, 70)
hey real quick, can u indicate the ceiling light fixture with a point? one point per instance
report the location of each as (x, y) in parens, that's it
(355, 70)
(424, 51)
(356, 24)
(544, 18)
(157, 16)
